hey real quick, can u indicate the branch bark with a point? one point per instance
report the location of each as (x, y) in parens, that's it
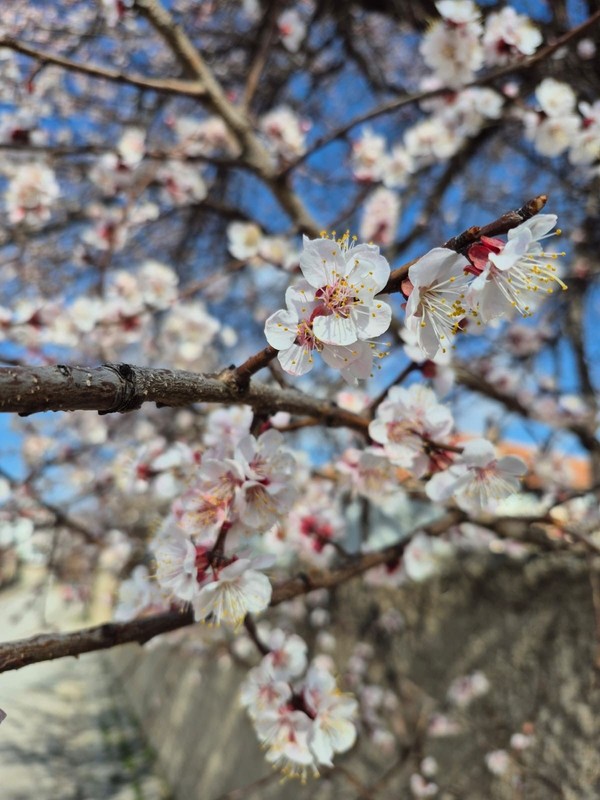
(47, 647)
(118, 388)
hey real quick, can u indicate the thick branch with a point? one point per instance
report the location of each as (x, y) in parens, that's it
(115, 388)
(47, 647)
(254, 154)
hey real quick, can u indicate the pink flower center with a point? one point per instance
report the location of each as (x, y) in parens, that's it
(321, 531)
(337, 298)
(305, 336)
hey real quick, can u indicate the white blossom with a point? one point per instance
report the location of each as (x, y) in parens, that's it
(516, 274)
(346, 278)
(284, 132)
(369, 161)
(177, 572)
(182, 183)
(158, 283)
(509, 34)
(424, 556)
(292, 29)
(137, 594)
(435, 306)
(335, 311)
(556, 98)
(451, 47)
(463, 690)
(404, 420)
(31, 194)
(244, 239)
(478, 479)
(333, 730)
(131, 146)
(235, 591)
(498, 762)
(267, 492)
(380, 217)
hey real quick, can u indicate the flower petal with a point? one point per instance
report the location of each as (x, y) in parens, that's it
(281, 328)
(335, 329)
(296, 360)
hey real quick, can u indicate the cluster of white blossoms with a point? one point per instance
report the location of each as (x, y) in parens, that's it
(413, 428)
(336, 311)
(478, 479)
(447, 290)
(141, 308)
(242, 486)
(246, 241)
(405, 420)
(217, 588)
(555, 127)
(31, 194)
(251, 488)
(452, 119)
(458, 45)
(180, 182)
(302, 722)
(284, 132)
(380, 217)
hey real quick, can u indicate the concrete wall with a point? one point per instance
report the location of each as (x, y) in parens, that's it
(529, 626)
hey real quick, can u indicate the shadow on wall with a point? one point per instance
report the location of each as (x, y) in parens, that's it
(528, 625)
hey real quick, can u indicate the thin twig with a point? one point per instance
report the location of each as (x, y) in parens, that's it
(47, 647)
(167, 85)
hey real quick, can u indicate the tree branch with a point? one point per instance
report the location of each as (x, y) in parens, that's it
(47, 647)
(117, 388)
(254, 153)
(397, 103)
(167, 85)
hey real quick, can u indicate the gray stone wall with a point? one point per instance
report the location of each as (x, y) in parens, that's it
(531, 627)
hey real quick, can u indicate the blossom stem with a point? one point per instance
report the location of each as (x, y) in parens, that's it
(219, 548)
(250, 626)
(411, 367)
(252, 365)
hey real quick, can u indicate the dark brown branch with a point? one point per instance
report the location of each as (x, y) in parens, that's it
(362, 563)
(250, 626)
(114, 388)
(252, 365)
(254, 155)
(499, 226)
(47, 647)
(267, 30)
